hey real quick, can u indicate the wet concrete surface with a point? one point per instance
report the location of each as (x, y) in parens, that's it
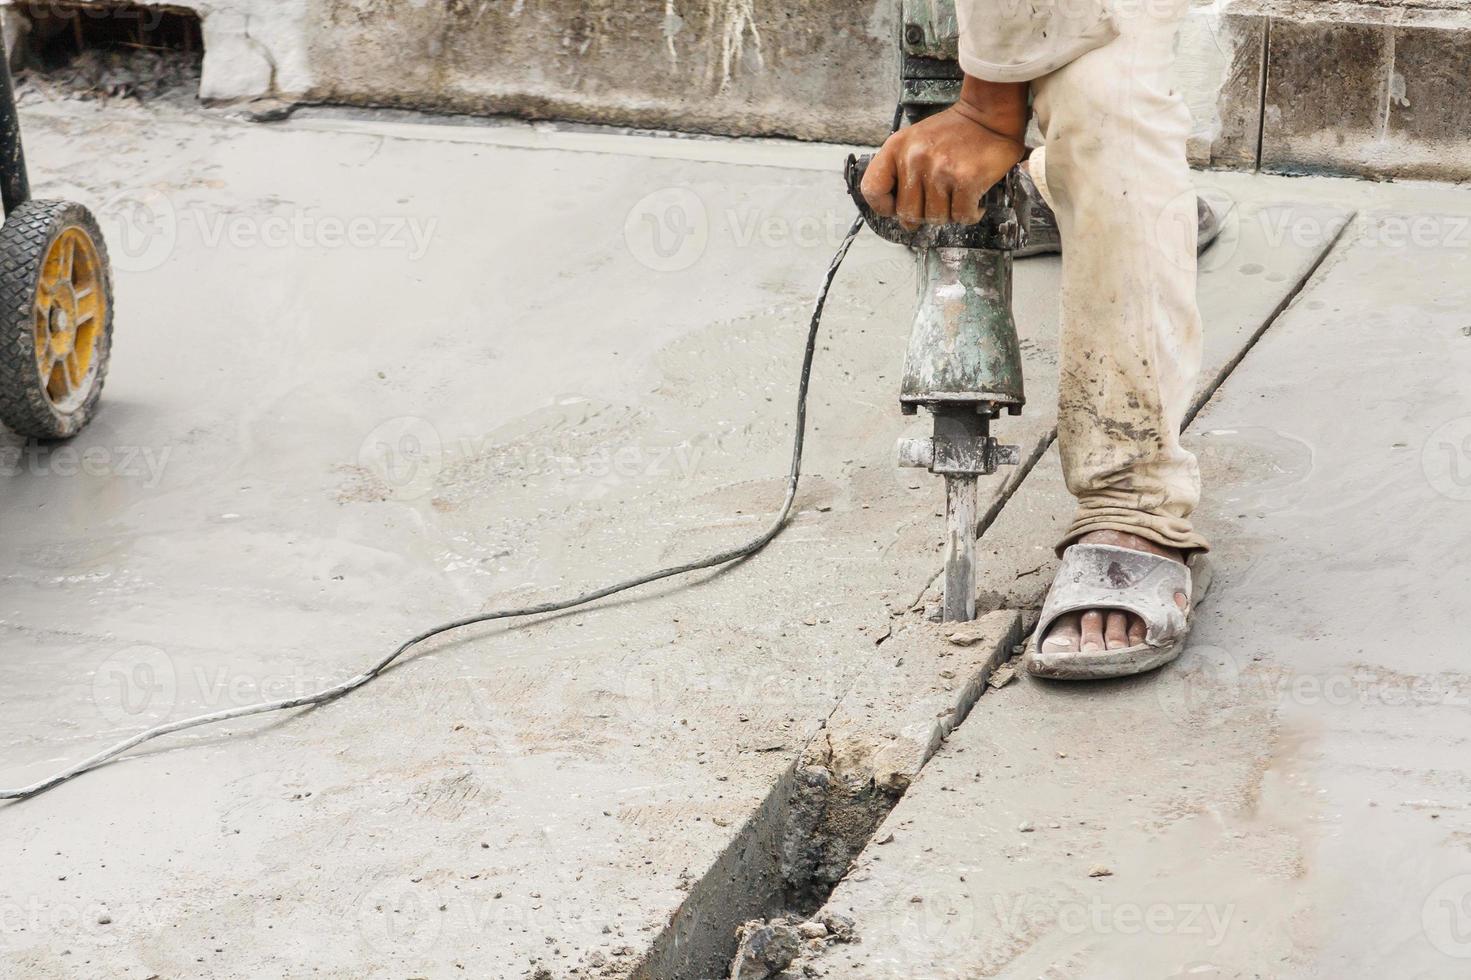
(364, 383)
(1291, 797)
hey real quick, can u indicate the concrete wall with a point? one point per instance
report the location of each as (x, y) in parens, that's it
(821, 69)
(1291, 85)
(1327, 86)
(816, 69)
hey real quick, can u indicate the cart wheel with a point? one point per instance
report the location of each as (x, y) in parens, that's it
(55, 318)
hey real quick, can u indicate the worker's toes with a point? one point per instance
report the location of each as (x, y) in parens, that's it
(1063, 637)
(1136, 630)
(1116, 629)
(1092, 631)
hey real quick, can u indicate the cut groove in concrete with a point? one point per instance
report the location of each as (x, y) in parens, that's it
(823, 811)
(1204, 394)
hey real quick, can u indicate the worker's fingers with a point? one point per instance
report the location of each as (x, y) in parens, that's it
(1116, 630)
(1092, 630)
(937, 200)
(965, 200)
(1136, 631)
(878, 182)
(910, 204)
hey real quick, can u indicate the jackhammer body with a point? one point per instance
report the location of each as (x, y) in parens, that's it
(963, 363)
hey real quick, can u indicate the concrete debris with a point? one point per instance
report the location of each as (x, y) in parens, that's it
(1001, 676)
(839, 927)
(1099, 871)
(765, 950)
(969, 634)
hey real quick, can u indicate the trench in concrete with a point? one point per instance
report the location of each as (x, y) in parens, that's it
(824, 810)
(784, 864)
(108, 49)
(802, 841)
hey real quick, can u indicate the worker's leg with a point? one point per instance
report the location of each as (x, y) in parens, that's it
(1114, 167)
(1115, 172)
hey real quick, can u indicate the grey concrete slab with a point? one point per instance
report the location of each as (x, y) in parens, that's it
(1291, 797)
(363, 383)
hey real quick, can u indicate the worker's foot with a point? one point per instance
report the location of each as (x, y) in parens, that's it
(1119, 605)
(1044, 238)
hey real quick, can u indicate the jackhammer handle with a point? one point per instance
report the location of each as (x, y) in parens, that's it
(1002, 228)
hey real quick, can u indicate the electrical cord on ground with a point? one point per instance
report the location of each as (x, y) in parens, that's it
(337, 690)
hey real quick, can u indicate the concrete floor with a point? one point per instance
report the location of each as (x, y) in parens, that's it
(371, 373)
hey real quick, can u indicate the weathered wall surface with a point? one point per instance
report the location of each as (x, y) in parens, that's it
(1292, 85)
(816, 69)
(1328, 86)
(820, 69)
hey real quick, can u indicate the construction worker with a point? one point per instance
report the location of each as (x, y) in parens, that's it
(1113, 174)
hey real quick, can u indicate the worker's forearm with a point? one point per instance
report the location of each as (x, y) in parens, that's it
(999, 106)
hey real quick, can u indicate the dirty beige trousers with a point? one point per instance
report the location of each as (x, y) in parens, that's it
(1114, 170)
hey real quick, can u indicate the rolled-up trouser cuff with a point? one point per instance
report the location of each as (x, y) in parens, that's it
(1167, 532)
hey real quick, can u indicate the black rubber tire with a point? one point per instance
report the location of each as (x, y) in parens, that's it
(25, 238)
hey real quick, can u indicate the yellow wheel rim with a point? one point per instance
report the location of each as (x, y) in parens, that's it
(70, 312)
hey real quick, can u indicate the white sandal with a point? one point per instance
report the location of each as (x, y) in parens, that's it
(1101, 576)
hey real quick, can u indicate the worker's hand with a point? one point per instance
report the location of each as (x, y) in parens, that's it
(938, 169)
